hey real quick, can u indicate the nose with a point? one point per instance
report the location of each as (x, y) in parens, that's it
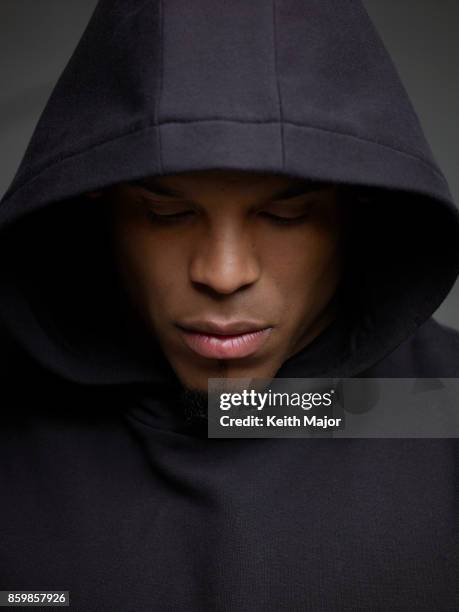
(225, 260)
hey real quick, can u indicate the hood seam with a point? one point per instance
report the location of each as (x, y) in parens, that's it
(160, 85)
(153, 125)
(279, 97)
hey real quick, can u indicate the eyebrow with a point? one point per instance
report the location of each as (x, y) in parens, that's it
(301, 188)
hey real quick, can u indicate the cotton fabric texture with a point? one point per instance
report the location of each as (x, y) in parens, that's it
(106, 490)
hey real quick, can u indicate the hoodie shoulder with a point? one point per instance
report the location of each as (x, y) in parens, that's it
(438, 348)
(432, 351)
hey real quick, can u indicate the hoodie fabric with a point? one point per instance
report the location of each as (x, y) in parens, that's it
(107, 490)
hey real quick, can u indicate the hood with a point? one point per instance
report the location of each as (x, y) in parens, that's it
(300, 87)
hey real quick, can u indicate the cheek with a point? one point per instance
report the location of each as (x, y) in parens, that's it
(304, 257)
(305, 268)
(148, 265)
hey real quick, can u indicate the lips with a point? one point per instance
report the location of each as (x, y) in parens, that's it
(224, 340)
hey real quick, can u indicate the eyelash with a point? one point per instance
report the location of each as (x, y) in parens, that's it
(182, 215)
(285, 220)
(166, 219)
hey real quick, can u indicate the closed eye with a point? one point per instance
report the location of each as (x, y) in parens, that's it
(164, 211)
(295, 210)
(285, 220)
(168, 216)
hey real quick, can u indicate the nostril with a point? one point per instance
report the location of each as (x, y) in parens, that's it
(223, 274)
(219, 289)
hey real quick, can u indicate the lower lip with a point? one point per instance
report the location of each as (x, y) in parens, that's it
(226, 347)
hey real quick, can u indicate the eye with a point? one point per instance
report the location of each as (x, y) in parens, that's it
(293, 212)
(165, 212)
(154, 216)
(295, 217)
(280, 220)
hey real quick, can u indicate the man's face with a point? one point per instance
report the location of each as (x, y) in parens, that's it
(231, 275)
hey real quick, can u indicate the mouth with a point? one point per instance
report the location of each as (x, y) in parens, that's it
(224, 341)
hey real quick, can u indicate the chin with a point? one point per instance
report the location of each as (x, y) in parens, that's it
(196, 387)
(199, 383)
(192, 382)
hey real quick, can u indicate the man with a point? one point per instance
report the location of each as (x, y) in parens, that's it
(223, 189)
(252, 264)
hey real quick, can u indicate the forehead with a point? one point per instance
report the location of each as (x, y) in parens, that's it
(231, 177)
(231, 181)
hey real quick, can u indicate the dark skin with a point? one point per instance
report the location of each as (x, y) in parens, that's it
(232, 248)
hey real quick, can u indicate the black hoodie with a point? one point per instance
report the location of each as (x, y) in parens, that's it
(107, 490)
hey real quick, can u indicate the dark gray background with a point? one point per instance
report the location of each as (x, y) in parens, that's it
(37, 38)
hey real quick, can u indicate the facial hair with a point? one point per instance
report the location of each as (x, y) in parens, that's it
(193, 406)
(193, 403)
